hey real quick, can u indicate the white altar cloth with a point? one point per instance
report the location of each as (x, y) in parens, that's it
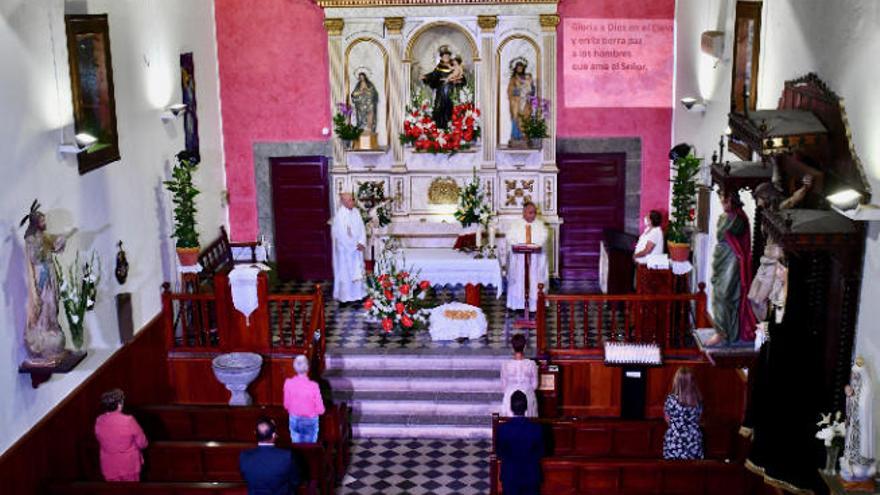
(444, 328)
(444, 266)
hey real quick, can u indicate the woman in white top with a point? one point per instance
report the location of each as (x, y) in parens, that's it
(520, 374)
(651, 240)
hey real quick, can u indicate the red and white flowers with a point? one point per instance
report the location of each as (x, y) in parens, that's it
(420, 130)
(396, 298)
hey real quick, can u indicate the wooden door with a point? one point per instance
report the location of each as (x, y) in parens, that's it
(301, 205)
(591, 199)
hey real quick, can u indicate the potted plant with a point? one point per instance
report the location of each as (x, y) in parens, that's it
(183, 194)
(686, 166)
(535, 125)
(396, 297)
(342, 126)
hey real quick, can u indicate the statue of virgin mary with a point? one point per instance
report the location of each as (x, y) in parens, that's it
(365, 98)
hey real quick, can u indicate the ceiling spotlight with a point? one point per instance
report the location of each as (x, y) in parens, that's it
(82, 141)
(173, 111)
(846, 199)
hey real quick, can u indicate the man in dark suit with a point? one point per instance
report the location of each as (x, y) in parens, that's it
(520, 447)
(267, 469)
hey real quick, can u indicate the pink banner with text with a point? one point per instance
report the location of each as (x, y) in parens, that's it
(618, 63)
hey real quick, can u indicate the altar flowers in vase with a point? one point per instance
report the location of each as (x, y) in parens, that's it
(78, 293)
(831, 431)
(424, 135)
(396, 297)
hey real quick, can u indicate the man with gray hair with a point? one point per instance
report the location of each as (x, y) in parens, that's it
(349, 241)
(302, 399)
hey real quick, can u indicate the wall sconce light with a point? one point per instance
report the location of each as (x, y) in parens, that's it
(692, 104)
(82, 141)
(846, 199)
(172, 112)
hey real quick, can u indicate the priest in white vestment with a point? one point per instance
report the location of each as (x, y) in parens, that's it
(349, 240)
(526, 230)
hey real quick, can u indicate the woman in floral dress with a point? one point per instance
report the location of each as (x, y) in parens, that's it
(683, 408)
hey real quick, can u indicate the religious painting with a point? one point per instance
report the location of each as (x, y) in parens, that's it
(188, 95)
(442, 57)
(366, 76)
(519, 73)
(91, 83)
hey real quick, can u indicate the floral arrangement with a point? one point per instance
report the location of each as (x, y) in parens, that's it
(535, 126)
(342, 125)
(831, 431)
(684, 198)
(78, 292)
(373, 204)
(421, 132)
(471, 206)
(395, 297)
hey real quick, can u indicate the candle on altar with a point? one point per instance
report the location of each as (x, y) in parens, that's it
(479, 235)
(491, 234)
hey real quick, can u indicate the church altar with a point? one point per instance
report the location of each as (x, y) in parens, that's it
(382, 57)
(443, 266)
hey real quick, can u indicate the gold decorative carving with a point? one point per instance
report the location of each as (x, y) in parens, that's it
(394, 25)
(334, 26)
(443, 191)
(519, 191)
(430, 3)
(549, 21)
(487, 22)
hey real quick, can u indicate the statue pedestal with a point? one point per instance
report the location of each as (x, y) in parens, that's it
(41, 372)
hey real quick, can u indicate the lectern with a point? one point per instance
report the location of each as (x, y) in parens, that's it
(526, 250)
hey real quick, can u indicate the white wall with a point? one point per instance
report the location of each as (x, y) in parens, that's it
(837, 39)
(123, 200)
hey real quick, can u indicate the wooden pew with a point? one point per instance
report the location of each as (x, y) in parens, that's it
(627, 439)
(579, 476)
(236, 424)
(103, 488)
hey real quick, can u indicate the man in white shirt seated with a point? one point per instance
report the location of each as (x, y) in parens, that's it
(526, 230)
(651, 240)
(349, 239)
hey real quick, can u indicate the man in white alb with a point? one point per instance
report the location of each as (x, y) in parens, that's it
(526, 230)
(349, 239)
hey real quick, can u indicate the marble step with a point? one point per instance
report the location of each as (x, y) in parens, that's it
(354, 396)
(413, 384)
(397, 374)
(380, 430)
(411, 362)
(421, 420)
(426, 408)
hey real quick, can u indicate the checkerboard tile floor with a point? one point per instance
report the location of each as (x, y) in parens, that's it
(416, 467)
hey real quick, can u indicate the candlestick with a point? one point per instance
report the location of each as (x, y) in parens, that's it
(479, 235)
(492, 235)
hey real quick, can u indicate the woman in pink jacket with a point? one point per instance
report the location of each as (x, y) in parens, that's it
(121, 440)
(302, 399)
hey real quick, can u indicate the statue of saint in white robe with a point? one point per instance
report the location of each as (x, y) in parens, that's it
(348, 261)
(516, 233)
(858, 462)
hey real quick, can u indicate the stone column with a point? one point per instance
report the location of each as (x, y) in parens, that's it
(396, 89)
(334, 28)
(487, 97)
(548, 86)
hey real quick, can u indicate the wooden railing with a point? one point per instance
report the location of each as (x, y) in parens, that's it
(281, 324)
(580, 324)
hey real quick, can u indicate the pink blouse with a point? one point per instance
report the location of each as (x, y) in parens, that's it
(302, 397)
(121, 440)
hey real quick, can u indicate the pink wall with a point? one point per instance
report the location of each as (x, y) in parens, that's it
(652, 125)
(274, 87)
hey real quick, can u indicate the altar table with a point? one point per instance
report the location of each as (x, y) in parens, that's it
(443, 266)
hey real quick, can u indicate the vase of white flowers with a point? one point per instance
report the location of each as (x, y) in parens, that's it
(78, 293)
(832, 430)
